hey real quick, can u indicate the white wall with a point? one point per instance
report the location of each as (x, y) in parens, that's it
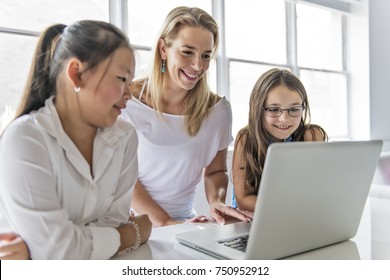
(379, 38)
(358, 65)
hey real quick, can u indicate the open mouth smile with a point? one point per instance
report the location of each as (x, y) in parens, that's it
(283, 127)
(190, 76)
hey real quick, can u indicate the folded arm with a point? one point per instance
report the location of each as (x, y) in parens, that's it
(143, 203)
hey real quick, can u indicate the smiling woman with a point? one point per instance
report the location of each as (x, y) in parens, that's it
(183, 126)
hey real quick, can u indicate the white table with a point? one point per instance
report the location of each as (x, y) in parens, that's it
(372, 240)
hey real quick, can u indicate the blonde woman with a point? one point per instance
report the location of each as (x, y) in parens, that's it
(183, 127)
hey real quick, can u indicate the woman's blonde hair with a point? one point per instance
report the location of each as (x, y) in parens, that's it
(199, 100)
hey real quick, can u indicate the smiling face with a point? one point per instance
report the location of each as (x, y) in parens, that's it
(106, 89)
(283, 126)
(187, 57)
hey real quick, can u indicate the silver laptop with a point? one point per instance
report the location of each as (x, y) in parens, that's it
(312, 194)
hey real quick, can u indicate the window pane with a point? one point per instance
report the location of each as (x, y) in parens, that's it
(212, 76)
(38, 14)
(142, 59)
(327, 93)
(319, 38)
(15, 60)
(256, 30)
(146, 17)
(243, 77)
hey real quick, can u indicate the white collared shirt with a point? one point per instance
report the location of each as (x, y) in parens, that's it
(48, 194)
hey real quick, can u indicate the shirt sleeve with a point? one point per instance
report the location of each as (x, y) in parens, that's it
(31, 205)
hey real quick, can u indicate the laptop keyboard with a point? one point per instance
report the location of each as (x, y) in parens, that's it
(238, 243)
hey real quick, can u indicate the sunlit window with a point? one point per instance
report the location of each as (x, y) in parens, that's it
(20, 23)
(243, 77)
(327, 93)
(146, 17)
(38, 14)
(13, 72)
(319, 38)
(308, 39)
(267, 37)
(256, 30)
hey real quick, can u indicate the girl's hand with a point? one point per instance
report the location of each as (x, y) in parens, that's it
(199, 219)
(12, 247)
(219, 211)
(144, 224)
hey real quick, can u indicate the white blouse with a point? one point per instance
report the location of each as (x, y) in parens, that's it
(171, 162)
(48, 195)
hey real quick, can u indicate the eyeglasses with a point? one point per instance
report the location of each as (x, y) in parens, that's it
(274, 112)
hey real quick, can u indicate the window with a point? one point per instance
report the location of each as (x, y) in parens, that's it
(304, 38)
(18, 43)
(320, 60)
(261, 44)
(328, 101)
(308, 39)
(243, 77)
(260, 34)
(38, 14)
(16, 55)
(319, 38)
(146, 17)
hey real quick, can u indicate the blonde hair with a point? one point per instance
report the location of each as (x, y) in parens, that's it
(199, 100)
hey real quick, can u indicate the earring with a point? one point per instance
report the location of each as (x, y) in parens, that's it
(163, 66)
(77, 89)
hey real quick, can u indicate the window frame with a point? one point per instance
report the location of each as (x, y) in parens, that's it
(118, 15)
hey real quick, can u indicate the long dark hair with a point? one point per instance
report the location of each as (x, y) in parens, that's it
(89, 41)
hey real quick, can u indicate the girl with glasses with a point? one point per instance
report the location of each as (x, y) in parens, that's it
(278, 111)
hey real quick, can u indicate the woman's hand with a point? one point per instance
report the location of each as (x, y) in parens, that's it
(12, 247)
(220, 212)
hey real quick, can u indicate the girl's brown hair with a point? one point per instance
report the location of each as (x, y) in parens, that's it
(254, 138)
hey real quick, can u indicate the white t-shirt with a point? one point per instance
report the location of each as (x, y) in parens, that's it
(48, 194)
(170, 161)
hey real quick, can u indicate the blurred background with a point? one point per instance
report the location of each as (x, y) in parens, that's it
(337, 48)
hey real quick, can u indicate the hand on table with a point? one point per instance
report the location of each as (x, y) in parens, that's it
(222, 212)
